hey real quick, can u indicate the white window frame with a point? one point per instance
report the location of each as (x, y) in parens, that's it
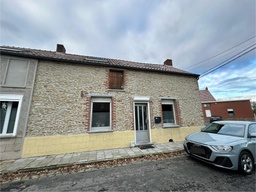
(230, 111)
(208, 113)
(11, 98)
(169, 102)
(101, 100)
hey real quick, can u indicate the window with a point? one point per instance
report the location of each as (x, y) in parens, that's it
(226, 129)
(116, 79)
(233, 130)
(168, 113)
(231, 113)
(252, 129)
(9, 114)
(16, 73)
(207, 105)
(208, 113)
(100, 114)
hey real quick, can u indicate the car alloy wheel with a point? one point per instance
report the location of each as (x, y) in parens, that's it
(245, 163)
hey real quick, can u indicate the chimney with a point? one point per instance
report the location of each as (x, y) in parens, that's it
(60, 48)
(168, 62)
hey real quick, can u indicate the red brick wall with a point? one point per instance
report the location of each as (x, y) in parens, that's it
(242, 110)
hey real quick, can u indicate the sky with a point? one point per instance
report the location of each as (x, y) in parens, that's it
(198, 35)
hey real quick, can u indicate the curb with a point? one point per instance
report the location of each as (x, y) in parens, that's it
(51, 167)
(35, 173)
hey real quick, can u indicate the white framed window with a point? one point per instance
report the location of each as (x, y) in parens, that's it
(101, 110)
(231, 113)
(168, 113)
(208, 113)
(10, 106)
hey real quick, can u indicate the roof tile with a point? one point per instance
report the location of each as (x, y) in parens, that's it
(51, 55)
(206, 95)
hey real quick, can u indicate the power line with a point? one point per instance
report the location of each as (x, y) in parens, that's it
(220, 53)
(229, 60)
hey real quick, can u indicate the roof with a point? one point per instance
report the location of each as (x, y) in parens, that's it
(206, 95)
(89, 60)
(226, 101)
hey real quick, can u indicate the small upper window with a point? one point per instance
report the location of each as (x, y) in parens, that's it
(116, 79)
(231, 113)
(9, 114)
(207, 105)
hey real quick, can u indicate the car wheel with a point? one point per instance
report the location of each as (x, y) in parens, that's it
(246, 164)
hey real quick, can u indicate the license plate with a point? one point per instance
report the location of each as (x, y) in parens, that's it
(197, 150)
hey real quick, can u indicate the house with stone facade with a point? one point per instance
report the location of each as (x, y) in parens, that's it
(53, 102)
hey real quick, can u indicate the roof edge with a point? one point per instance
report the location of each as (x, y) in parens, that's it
(225, 101)
(106, 64)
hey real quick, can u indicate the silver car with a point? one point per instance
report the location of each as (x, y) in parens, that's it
(226, 144)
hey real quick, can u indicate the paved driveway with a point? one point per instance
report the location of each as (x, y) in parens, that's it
(174, 174)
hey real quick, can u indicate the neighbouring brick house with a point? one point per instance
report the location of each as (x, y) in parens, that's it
(60, 103)
(228, 110)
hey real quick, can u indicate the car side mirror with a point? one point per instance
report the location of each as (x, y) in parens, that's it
(252, 135)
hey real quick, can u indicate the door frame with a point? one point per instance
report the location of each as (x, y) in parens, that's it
(142, 100)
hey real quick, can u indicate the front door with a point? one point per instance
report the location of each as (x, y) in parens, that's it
(141, 123)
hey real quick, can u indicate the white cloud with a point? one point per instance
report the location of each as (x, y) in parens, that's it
(232, 81)
(186, 31)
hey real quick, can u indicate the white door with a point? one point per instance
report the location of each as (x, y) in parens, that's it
(141, 123)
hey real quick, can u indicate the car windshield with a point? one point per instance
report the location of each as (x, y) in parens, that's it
(225, 129)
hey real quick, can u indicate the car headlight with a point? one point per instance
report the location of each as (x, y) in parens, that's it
(221, 148)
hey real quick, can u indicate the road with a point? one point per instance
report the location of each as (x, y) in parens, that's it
(174, 174)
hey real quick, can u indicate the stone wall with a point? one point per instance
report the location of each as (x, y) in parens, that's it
(60, 100)
(58, 107)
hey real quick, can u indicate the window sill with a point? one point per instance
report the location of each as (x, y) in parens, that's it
(103, 131)
(7, 136)
(170, 126)
(116, 90)
(13, 86)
